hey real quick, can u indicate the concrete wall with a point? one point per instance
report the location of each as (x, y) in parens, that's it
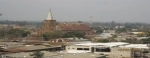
(117, 52)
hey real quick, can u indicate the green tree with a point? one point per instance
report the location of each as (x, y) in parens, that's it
(51, 35)
(17, 33)
(140, 35)
(37, 54)
(114, 36)
(120, 30)
(99, 30)
(147, 33)
(103, 40)
(131, 40)
(74, 34)
(2, 33)
(145, 41)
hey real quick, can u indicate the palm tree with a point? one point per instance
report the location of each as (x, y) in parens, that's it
(37, 54)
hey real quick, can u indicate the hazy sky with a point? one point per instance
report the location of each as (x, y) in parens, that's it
(75, 10)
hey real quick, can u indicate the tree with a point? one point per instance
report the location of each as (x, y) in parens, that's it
(147, 33)
(114, 36)
(131, 40)
(2, 33)
(99, 30)
(74, 34)
(120, 30)
(37, 54)
(103, 40)
(145, 41)
(140, 35)
(17, 33)
(51, 35)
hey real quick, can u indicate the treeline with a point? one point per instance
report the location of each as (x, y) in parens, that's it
(127, 24)
(21, 23)
(111, 24)
(13, 33)
(56, 34)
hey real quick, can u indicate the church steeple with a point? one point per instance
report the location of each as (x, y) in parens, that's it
(50, 17)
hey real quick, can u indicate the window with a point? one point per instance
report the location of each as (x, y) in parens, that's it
(79, 48)
(86, 49)
(103, 50)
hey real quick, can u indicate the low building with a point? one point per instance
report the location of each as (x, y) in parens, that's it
(124, 52)
(93, 47)
(113, 49)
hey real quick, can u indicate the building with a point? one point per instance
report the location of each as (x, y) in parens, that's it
(52, 25)
(93, 47)
(112, 49)
(120, 52)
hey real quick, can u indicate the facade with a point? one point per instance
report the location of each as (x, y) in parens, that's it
(112, 49)
(118, 52)
(52, 25)
(121, 53)
(93, 47)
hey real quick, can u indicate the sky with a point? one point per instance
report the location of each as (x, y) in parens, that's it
(76, 10)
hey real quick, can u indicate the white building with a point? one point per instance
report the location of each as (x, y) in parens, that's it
(113, 49)
(93, 47)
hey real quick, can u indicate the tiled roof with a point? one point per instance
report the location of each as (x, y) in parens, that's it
(73, 27)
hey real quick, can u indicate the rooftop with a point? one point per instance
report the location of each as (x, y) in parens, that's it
(73, 26)
(110, 44)
(136, 46)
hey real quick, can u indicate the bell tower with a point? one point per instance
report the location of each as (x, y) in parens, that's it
(49, 23)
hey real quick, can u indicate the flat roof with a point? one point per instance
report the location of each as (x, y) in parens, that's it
(76, 51)
(109, 44)
(136, 46)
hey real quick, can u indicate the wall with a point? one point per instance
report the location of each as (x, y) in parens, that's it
(118, 52)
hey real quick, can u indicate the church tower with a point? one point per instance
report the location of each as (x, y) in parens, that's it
(49, 24)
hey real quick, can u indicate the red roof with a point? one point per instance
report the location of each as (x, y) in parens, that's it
(73, 27)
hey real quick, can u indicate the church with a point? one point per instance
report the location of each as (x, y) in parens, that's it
(50, 24)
